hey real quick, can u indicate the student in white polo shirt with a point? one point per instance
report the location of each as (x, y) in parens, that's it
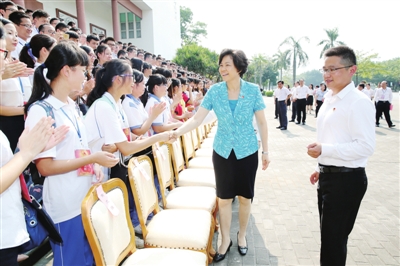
(70, 167)
(157, 87)
(107, 122)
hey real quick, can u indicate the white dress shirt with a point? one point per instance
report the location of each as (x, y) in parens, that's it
(384, 95)
(283, 94)
(346, 128)
(369, 92)
(302, 92)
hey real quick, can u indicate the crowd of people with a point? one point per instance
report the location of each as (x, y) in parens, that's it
(302, 99)
(108, 101)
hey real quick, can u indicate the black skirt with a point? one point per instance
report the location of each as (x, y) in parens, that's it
(310, 100)
(235, 177)
(12, 127)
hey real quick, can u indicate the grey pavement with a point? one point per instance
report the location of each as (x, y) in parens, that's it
(284, 228)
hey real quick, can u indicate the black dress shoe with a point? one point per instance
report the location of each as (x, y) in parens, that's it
(377, 125)
(304, 123)
(392, 126)
(218, 257)
(291, 121)
(283, 128)
(278, 127)
(275, 117)
(297, 123)
(242, 250)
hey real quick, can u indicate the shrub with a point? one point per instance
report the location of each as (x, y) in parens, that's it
(268, 93)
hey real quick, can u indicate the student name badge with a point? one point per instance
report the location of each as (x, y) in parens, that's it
(86, 170)
(127, 133)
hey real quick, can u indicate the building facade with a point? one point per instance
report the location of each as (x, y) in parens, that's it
(148, 24)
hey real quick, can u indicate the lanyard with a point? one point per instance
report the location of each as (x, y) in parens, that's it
(76, 126)
(22, 86)
(123, 118)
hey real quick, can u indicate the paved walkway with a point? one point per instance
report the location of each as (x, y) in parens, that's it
(284, 228)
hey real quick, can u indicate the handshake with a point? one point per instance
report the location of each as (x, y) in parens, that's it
(170, 136)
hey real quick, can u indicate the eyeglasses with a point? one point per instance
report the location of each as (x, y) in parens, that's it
(51, 32)
(11, 9)
(124, 75)
(5, 52)
(331, 70)
(28, 26)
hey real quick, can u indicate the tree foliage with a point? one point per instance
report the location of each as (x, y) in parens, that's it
(261, 71)
(191, 32)
(297, 55)
(333, 34)
(312, 77)
(198, 59)
(281, 61)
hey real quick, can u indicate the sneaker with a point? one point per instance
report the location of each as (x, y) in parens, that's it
(139, 243)
(138, 230)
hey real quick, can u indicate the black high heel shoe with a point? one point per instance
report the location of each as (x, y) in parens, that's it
(242, 250)
(218, 257)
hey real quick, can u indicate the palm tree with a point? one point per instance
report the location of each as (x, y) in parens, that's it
(281, 61)
(296, 53)
(259, 61)
(333, 34)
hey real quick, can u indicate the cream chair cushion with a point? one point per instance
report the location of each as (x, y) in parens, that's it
(181, 229)
(201, 162)
(112, 231)
(202, 198)
(165, 257)
(196, 177)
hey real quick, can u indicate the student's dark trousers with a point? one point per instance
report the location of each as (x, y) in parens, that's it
(301, 108)
(276, 108)
(282, 114)
(294, 110)
(383, 107)
(339, 198)
(319, 104)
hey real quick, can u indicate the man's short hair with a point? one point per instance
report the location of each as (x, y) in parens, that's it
(71, 23)
(362, 85)
(5, 4)
(130, 49)
(41, 27)
(72, 34)
(40, 14)
(16, 17)
(28, 11)
(21, 8)
(347, 55)
(61, 26)
(280, 81)
(52, 19)
(109, 39)
(75, 29)
(92, 37)
(147, 55)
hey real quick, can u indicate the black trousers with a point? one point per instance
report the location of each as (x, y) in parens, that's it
(319, 104)
(282, 113)
(339, 198)
(8, 256)
(276, 108)
(383, 107)
(294, 110)
(301, 108)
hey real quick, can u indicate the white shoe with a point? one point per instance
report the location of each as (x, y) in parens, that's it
(139, 243)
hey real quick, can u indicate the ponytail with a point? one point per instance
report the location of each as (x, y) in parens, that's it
(40, 89)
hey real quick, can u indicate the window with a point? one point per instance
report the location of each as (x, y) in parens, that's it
(130, 23)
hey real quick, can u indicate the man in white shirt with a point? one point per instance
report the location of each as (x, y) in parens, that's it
(383, 98)
(345, 140)
(276, 92)
(301, 99)
(283, 96)
(24, 26)
(294, 103)
(368, 91)
(39, 17)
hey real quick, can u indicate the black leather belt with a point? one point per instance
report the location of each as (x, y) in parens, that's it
(336, 169)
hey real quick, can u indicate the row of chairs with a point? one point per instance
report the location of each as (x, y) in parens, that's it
(182, 233)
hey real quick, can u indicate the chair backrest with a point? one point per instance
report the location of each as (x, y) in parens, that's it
(188, 150)
(111, 238)
(178, 162)
(165, 173)
(141, 178)
(202, 133)
(195, 139)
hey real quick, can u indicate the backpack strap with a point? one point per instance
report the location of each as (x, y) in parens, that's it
(48, 108)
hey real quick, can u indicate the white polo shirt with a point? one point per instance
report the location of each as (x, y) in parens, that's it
(301, 92)
(105, 122)
(382, 95)
(135, 112)
(283, 94)
(63, 193)
(163, 118)
(12, 225)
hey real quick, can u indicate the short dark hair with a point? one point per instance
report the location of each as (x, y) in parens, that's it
(239, 59)
(5, 4)
(121, 52)
(28, 11)
(71, 23)
(61, 26)
(362, 85)
(74, 29)
(21, 8)
(16, 16)
(42, 26)
(146, 66)
(40, 14)
(280, 81)
(130, 49)
(92, 37)
(109, 39)
(147, 55)
(72, 34)
(52, 19)
(347, 55)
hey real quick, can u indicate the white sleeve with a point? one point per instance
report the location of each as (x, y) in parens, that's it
(109, 123)
(132, 112)
(159, 121)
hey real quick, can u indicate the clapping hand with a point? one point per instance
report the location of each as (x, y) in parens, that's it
(16, 69)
